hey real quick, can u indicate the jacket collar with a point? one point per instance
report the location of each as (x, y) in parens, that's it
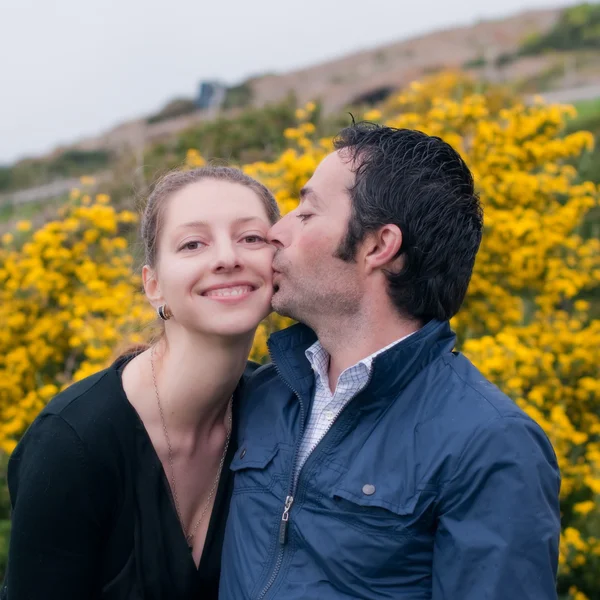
(287, 349)
(392, 369)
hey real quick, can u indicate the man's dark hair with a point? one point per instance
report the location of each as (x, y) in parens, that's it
(421, 184)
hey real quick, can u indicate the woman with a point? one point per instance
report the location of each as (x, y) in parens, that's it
(120, 487)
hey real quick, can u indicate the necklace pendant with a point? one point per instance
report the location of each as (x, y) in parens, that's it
(190, 541)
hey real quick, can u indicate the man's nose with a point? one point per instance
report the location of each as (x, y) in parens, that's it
(275, 235)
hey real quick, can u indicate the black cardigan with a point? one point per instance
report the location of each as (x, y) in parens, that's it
(93, 515)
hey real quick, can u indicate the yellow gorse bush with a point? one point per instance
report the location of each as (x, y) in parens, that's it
(69, 295)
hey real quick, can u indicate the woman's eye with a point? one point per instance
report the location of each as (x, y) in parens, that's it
(304, 216)
(193, 245)
(254, 239)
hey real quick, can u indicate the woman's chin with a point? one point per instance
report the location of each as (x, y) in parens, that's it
(232, 327)
(226, 321)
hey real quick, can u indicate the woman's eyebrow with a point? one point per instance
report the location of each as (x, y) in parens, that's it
(205, 224)
(193, 224)
(243, 220)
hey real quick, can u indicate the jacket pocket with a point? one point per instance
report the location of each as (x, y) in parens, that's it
(370, 526)
(252, 465)
(382, 505)
(367, 496)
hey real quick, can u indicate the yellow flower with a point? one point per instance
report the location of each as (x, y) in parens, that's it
(90, 236)
(584, 507)
(373, 115)
(194, 159)
(290, 133)
(23, 225)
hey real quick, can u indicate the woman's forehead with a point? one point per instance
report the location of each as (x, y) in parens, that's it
(214, 203)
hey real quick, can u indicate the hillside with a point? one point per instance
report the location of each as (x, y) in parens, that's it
(490, 50)
(341, 82)
(370, 73)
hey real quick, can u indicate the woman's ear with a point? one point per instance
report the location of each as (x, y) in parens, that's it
(382, 248)
(151, 286)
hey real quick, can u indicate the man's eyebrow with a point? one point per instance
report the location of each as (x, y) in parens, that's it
(308, 192)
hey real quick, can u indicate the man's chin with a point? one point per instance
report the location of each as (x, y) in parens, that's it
(280, 305)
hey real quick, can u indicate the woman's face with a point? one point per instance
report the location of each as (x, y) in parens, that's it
(213, 261)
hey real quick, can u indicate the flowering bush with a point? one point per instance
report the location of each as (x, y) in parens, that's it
(69, 295)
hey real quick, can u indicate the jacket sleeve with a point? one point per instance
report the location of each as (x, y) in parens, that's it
(58, 519)
(499, 520)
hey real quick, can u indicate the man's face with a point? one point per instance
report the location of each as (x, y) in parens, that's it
(310, 281)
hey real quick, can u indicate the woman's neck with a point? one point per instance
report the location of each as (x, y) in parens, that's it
(195, 378)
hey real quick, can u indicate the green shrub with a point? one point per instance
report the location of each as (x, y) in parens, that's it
(70, 163)
(256, 134)
(175, 108)
(475, 63)
(238, 96)
(577, 28)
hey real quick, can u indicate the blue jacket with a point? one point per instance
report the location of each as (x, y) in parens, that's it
(430, 484)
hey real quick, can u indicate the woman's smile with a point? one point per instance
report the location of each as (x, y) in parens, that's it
(230, 292)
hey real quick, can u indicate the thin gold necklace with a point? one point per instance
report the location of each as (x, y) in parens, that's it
(189, 536)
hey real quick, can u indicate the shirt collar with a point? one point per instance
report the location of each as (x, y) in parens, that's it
(319, 357)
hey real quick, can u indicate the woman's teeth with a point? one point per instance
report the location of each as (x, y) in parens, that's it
(231, 291)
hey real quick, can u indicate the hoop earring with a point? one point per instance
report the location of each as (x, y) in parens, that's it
(164, 312)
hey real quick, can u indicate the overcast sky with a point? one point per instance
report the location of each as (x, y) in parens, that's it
(72, 68)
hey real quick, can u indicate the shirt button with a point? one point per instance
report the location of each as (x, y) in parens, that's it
(328, 414)
(368, 489)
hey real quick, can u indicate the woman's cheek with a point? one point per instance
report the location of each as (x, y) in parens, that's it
(269, 264)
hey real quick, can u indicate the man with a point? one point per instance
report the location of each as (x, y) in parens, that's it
(374, 462)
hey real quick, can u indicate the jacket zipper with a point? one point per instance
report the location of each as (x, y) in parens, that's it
(289, 500)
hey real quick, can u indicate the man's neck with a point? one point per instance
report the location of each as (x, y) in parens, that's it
(348, 341)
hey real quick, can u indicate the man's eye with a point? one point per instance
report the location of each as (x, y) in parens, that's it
(303, 216)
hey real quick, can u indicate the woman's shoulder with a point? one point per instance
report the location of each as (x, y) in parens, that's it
(70, 455)
(79, 395)
(95, 408)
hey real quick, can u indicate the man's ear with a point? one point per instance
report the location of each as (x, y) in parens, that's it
(382, 248)
(151, 286)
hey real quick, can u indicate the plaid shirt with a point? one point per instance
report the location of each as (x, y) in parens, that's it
(327, 406)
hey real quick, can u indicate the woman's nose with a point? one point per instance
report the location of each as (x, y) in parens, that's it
(226, 258)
